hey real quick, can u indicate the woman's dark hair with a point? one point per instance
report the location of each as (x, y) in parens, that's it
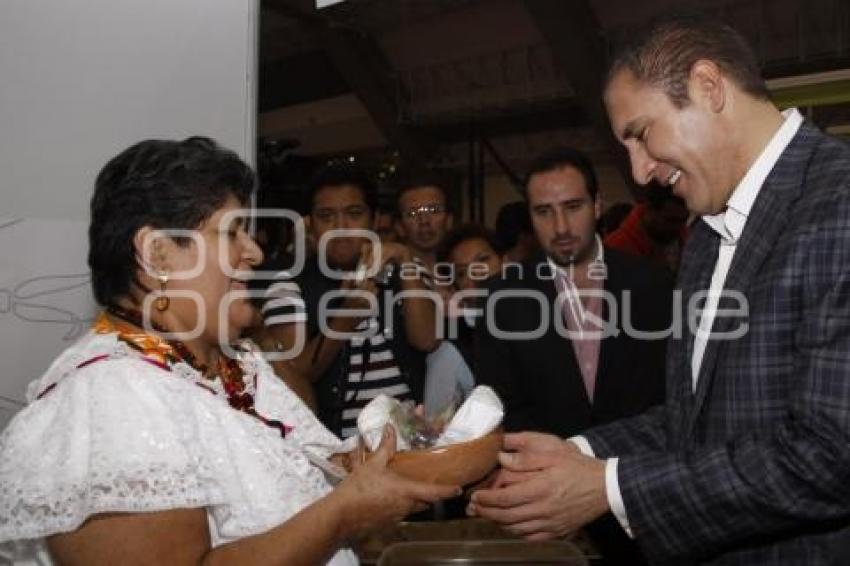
(162, 184)
(461, 234)
(512, 221)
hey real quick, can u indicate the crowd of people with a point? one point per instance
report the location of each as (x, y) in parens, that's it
(680, 391)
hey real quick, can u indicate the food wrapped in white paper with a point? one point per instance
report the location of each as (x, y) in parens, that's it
(480, 414)
(380, 411)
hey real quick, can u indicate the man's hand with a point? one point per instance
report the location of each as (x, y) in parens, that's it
(545, 489)
(419, 304)
(536, 442)
(387, 252)
(364, 292)
(523, 442)
(360, 291)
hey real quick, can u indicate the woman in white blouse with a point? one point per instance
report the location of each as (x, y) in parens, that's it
(144, 443)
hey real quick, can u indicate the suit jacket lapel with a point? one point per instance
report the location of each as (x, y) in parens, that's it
(609, 348)
(764, 226)
(558, 344)
(698, 259)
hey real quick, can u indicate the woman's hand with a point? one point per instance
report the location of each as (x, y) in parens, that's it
(374, 497)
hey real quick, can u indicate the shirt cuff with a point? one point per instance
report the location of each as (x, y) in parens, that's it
(615, 499)
(582, 444)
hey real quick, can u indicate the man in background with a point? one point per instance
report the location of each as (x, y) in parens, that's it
(575, 355)
(385, 350)
(424, 214)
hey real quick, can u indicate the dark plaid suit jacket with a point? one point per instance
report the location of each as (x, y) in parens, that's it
(754, 467)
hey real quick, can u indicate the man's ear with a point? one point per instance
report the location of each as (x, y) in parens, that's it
(450, 221)
(706, 85)
(597, 207)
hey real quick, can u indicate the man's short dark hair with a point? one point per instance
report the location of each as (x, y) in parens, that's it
(665, 52)
(338, 174)
(409, 179)
(469, 231)
(559, 158)
(163, 184)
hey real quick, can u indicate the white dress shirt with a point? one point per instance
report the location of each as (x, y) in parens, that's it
(729, 224)
(582, 312)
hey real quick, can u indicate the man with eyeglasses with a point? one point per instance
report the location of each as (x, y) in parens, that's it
(424, 221)
(424, 215)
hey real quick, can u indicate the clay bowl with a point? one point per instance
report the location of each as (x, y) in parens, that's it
(457, 464)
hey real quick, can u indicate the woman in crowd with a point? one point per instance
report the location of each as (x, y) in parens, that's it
(146, 442)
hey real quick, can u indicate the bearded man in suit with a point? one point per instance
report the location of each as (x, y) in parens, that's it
(574, 337)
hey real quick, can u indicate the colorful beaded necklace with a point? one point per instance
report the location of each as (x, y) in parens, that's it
(127, 324)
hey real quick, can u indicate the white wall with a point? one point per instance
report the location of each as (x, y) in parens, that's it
(80, 82)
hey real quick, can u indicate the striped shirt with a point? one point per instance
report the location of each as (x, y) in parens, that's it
(283, 301)
(372, 368)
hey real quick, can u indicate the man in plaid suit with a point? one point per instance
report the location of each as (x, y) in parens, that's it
(748, 461)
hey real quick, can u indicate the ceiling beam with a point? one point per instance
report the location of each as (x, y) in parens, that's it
(528, 119)
(573, 33)
(358, 59)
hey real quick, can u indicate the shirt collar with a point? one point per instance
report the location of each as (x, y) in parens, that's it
(568, 273)
(730, 223)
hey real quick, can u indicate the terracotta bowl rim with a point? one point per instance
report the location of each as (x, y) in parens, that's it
(497, 433)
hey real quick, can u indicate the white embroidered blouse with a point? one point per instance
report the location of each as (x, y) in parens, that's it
(112, 432)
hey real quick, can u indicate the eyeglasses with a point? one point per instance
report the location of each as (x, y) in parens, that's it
(424, 210)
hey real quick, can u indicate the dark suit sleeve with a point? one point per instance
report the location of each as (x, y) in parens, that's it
(702, 503)
(495, 366)
(635, 435)
(651, 309)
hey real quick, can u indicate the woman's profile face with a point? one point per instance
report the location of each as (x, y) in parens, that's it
(210, 300)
